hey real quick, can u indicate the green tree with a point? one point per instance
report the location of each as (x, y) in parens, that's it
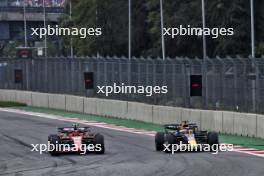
(112, 17)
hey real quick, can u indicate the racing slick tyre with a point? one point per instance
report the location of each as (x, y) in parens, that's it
(170, 140)
(159, 141)
(99, 139)
(54, 140)
(213, 140)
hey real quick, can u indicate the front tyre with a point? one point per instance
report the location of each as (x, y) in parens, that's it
(213, 140)
(99, 141)
(159, 141)
(54, 141)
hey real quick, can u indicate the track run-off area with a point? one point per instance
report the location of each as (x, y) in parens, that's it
(128, 152)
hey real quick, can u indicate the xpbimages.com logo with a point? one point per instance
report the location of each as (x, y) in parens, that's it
(59, 31)
(181, 147)
(195, 31)
(124, 89)
(82, 148)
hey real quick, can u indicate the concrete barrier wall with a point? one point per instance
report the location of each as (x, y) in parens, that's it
(74, 103)
(24, 97)
(220, 121)
(185, 114)
(195, 117)
(8, 95)
(140, 111)
(260, 126)
(2, 95)
(207, 120)
(166, 115)
(40, 99)
(57, 101)
(90, 106)
(245, 124)
(228, 122)
(111, 108)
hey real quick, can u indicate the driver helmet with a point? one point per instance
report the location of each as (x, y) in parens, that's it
(75, 126)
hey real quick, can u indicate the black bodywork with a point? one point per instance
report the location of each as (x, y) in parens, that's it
(175, 130)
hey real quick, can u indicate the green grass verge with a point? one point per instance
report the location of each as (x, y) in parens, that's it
(4, 104)
(244, 141)
(237, 140)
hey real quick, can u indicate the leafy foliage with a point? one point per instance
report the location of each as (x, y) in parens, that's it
(112, 17)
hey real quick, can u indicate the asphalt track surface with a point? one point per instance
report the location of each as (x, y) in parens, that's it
(126, 154)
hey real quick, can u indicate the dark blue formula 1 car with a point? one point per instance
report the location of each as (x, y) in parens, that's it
(184, 133)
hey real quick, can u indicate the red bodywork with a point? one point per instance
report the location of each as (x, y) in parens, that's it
(76, 136)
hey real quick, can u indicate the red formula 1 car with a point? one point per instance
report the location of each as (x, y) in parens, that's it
(75, 139)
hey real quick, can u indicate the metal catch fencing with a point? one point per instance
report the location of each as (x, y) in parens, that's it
(228, 83)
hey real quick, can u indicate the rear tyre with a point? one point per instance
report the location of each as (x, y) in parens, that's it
(54, 140)
(159, 141)
(213, 140)
(99, 141)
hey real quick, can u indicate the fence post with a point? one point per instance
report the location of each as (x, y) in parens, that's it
(205, 87)
(164, 81)
(257, 86)
(186, 73)
(154, 80)
(173, 81)
(235, 82)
